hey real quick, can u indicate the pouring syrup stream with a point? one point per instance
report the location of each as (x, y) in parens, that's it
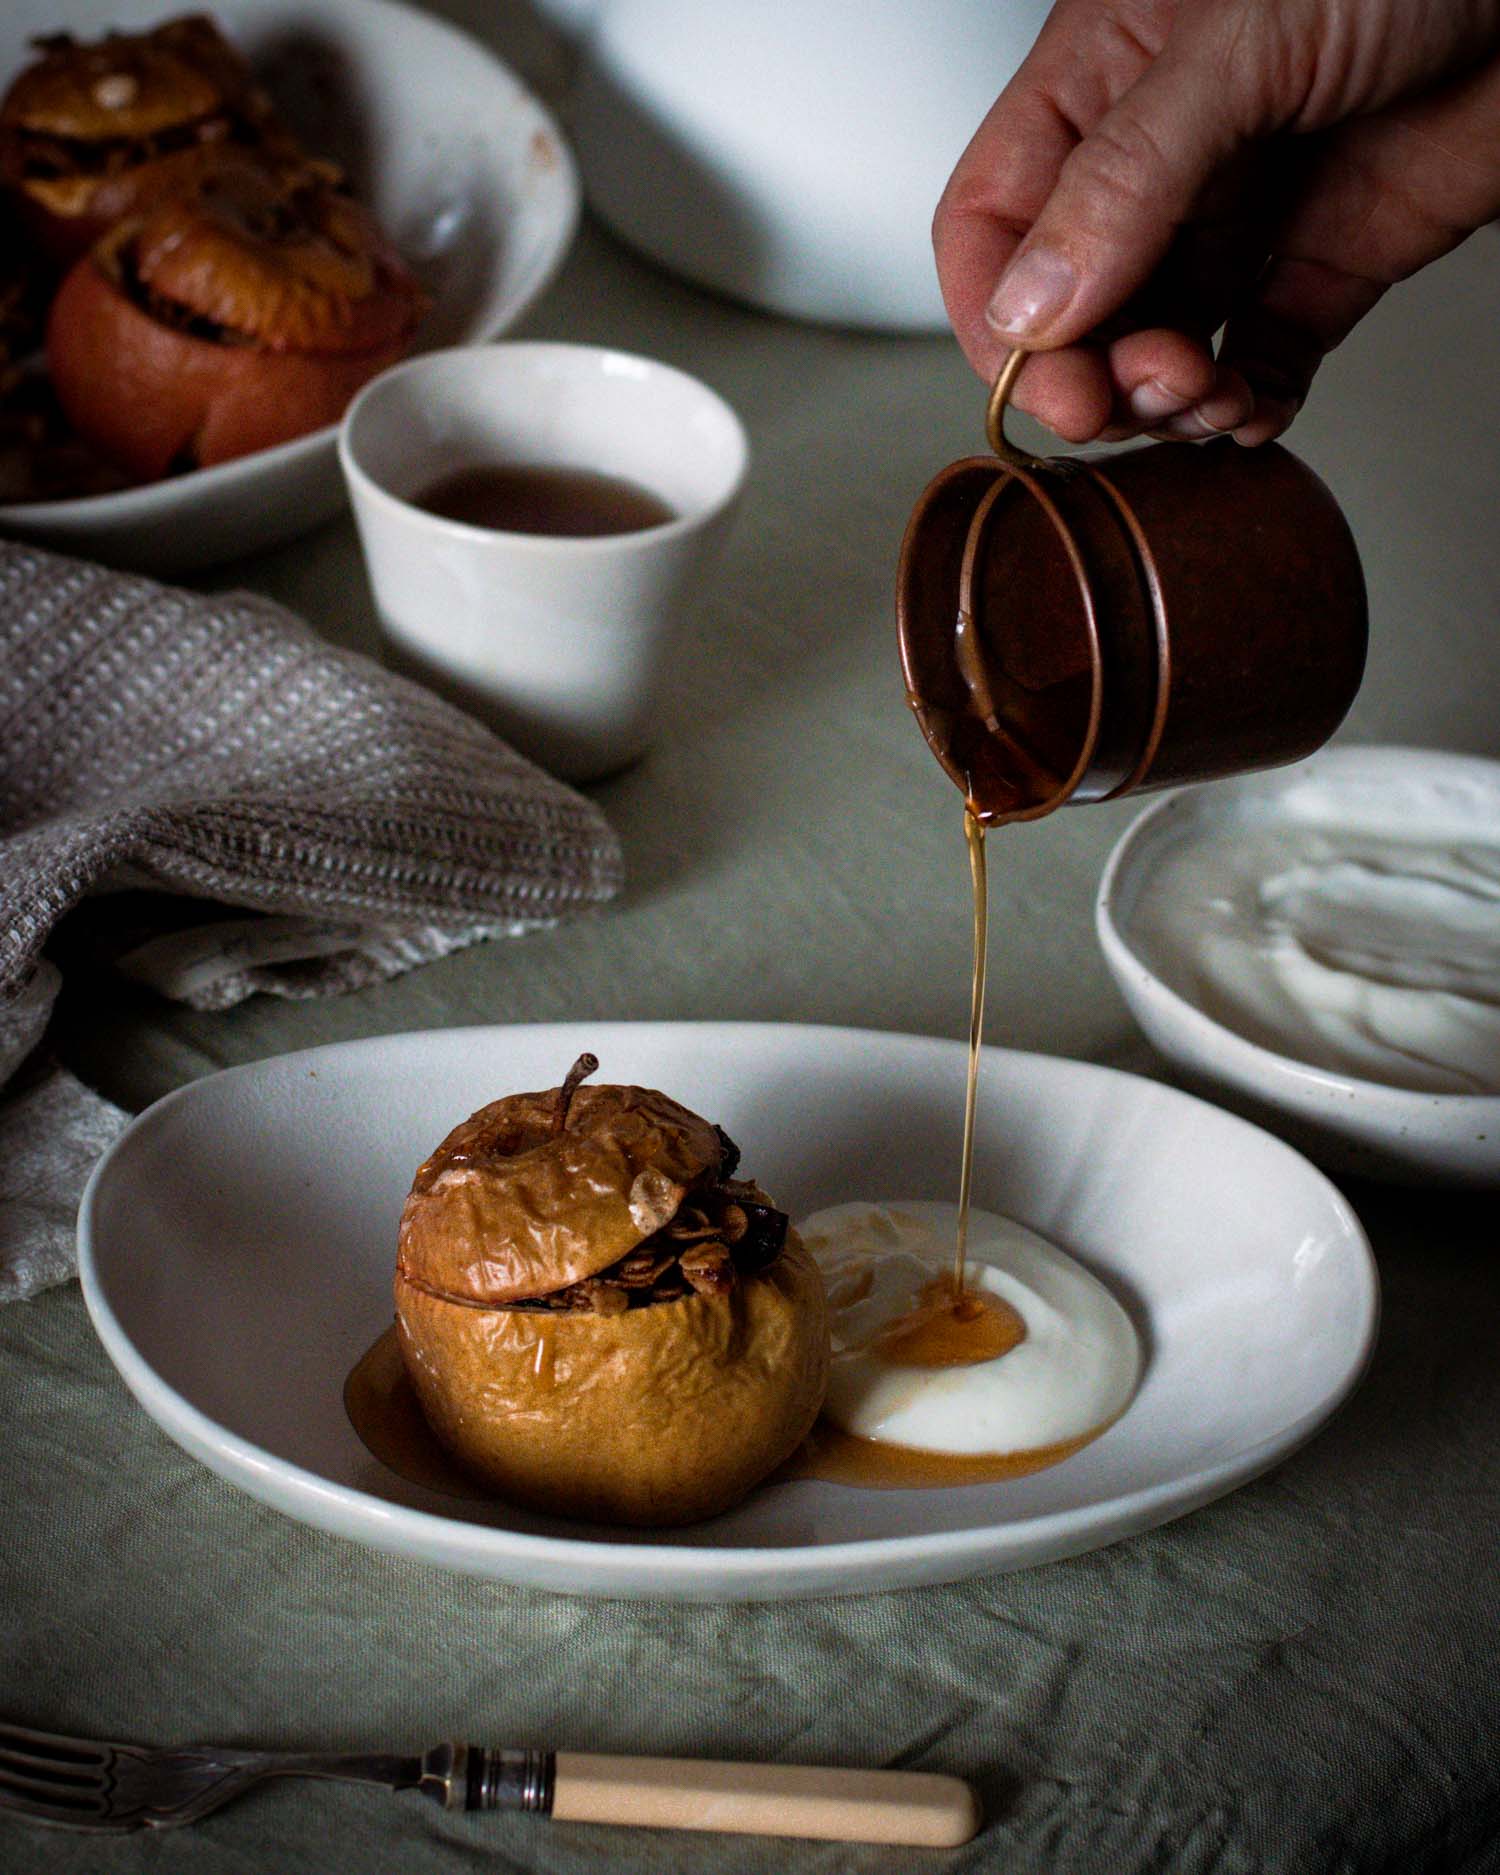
(974, 837)
(952, 1325)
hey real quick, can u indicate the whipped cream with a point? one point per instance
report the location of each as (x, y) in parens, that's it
(1352, 924)
(1074, 1372)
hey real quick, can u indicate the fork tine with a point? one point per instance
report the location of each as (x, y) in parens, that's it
(52, 1747)
(37, 1797)
(42, 1762)
(14, 1804)
(31, 1774)
(52, 1778)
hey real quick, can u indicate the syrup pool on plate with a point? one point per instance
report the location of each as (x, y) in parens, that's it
(383, 1409)
(1029, 1364)
(1035, 1359)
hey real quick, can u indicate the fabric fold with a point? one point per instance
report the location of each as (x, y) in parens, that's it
(283, 816)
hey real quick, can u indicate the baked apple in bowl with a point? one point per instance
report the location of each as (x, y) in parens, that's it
(427, 134)
(237, 315)
(94, 130)
(599, 1318)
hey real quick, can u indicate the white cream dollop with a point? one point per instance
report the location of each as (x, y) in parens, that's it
(1354, 926)
(1074, 1372)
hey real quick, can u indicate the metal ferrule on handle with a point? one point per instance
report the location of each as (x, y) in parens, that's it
(472, 1777)
(511, 1780)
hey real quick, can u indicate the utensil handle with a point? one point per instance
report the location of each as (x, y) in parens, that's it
(916, 1807)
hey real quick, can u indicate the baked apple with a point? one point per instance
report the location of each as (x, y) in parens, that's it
(600, 1319)
(90, 133)
(237, 315)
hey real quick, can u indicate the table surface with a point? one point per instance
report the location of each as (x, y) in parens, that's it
(1296, 1678)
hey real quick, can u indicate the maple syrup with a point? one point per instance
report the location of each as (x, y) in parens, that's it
(951, 1327)
(832, 1456)
(384, 1410)
(979, 877)
(531, 498)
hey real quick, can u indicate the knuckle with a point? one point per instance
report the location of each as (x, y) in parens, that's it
(972, 198)
(969, 195)
(1263, 59)
(1125, 164)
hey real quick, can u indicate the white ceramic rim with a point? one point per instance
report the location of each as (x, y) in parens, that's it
(358, 476)
(679, 1572)
(1252, 1063)
(152, 501)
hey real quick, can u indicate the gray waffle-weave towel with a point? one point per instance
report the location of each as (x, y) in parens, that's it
(216, 749)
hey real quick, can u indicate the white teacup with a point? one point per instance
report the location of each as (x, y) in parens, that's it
(558, 641)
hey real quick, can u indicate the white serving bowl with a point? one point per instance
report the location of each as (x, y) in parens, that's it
(791, 153)
(465, 170)
(236, 1248)
(1350, 1122)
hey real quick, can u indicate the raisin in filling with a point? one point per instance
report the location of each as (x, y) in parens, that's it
(42, 156)
(167, 312)
(717, 1236)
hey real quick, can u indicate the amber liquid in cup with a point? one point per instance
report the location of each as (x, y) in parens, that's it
(531, 498)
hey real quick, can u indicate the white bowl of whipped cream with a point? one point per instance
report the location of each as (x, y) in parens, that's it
(1320, 948)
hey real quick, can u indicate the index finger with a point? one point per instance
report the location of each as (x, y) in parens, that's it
(998, 188)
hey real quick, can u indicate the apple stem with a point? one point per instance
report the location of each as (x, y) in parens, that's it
(581, 1069)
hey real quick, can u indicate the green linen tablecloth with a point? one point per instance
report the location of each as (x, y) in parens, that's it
(1298, 1678)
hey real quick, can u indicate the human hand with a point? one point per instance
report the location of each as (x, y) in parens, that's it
(1158, 169)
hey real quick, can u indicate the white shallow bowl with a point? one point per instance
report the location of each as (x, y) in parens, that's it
(237, 1246)
(465, 170)
(1347, 1122)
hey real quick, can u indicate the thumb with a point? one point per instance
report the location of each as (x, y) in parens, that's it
(1120, 200)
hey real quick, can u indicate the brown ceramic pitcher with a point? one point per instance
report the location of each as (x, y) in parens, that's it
(1076, 628)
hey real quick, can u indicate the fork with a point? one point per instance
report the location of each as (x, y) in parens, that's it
(81, 1783)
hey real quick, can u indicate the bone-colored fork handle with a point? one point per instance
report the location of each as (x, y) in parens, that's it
(914, 1807)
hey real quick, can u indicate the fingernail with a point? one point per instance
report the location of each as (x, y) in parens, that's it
(1033, 291)
(1272, 416)
(1224, 412)
(1188, 426)
(1152, 401)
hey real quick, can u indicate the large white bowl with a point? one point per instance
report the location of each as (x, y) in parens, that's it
(791, 152)
(1348, 1122)
(237, 1248)
(465, 170)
